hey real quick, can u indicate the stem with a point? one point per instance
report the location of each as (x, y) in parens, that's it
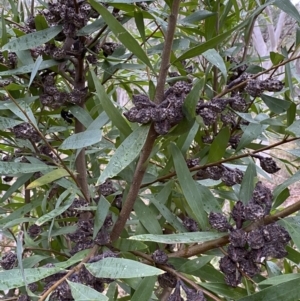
(216, 243)
(147, 148)
(173, 174)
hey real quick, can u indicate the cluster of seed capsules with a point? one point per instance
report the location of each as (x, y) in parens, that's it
(246, 250)
(164, 115)
(62, 292)
(168, 280)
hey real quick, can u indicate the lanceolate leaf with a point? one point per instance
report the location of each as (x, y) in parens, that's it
(126, 153)
(287, 291)
(252, 131)
(289, 8)
(36, 67)
(48, 178)
(29, 68)
(214, 58)
(121, 33)
(81, 292)
(276, 105)
(121, 268)
(13, 168)
(188, 237)
(6, 123)
(219, 145)
(33, 39)
(189, 187)
(247, 186)
(81, 140)
(144, 289)
(113, 113)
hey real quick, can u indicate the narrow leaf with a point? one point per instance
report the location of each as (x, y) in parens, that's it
(81, 140)
(126, 153)
(14, 168)
(33, 39)
(247, 186)
(81, 292)
(184, 238)
(251, 133)
(112, 112)
(276, 105)
(288, 7)
(287, 291)
(101, 213)
(219, 145)
(121, 33)
(144, 289)
(48, 178)
(294, 128)
(214, 58)
(35, 69)
(188, 186)
(29, 68)
(121, 268)
(6, 123)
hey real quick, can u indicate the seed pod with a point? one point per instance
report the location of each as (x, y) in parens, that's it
(209, 116)
(254, 87)
(55, 276)
(131, 114)
(23, 298)
(236, 254)
(255, 239)
(254, 212)
(143, 116)
(142, 101)
(214, 172)
(229, 119)
(190, 224)
(162, 127)
(27, 132)
(238, 238)
(33, 286)
(175, 296)
(238, 214)
(219, 222)
(192, 294)
(217, 104)
(12, 60)
(82, 245)
(238, 104)
(34, 231)
(272, 85)
(167, 280)
(231, 177)
(268, 165)
(227, 266)
(275, 233)
(255, 255)
(249, 268)
(233, 279)
(8, 260)
(275, 250)
(160, 257)
(192, 162)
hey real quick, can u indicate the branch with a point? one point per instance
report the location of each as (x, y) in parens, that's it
(216, 243)
(173, 174)
(147, 148)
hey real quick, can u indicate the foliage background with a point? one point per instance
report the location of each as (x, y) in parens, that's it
(54, 167)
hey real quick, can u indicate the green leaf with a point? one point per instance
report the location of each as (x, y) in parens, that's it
(147, 218)
(189, 187)
(48, 178)
(33, 39)
(276, 105)
(101, 213)
(13, 168)
(192, 99)
(81, 140)
(233, 293)
(196, 16)
(167, 214)
(125, 154)
(112, 112)
(36, 67)
(195, 264)
(13, 278)
(139, 21)
(219, 145)
(126, 245)
(247, 186)
(55, 212)
(294, 128)
(29, 68)
(184, 238)
(287, 291)
(289, 8)
(121, 268)
(144, 289)
(4, 38)
(292, 224)
(6, 123)
(279, 279)
(214, 58)
(251, 133)
(121, 33)
(276, 57)
(81, 292)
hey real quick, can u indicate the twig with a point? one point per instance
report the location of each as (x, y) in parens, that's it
(216, 243)
(72, 271)
(173, 174)
(46, 250)
(147, 148)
